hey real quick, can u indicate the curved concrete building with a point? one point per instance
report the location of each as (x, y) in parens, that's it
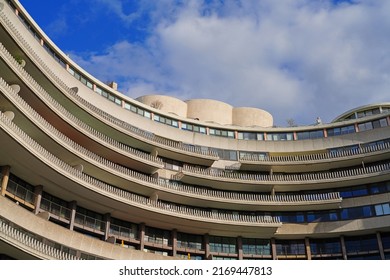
(89, 173)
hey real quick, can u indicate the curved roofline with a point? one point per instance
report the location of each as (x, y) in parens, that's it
(358, 109)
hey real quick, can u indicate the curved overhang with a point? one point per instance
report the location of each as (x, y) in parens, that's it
(351, 112)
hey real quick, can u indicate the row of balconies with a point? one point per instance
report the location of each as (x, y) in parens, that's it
(125, 196)
(127, 128)
(155, 183)
(134, 132)
(187, 170)
(228, 179)
(28, 242)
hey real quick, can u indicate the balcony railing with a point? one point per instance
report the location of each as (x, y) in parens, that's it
(133, 199)
(308, 158)
(7, 231)
(145, 180)
(132, 130)
(308, 177)
(78, 124)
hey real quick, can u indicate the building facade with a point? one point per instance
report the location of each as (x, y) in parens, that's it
(88, 173)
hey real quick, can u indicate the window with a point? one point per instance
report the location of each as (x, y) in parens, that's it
(290, 247)
(382, 209)
(341, 130)
(325, 246)
(280, 136)
(157, 236)
(191, 241)
(250, 136)
(365, 126)
(256, 246)
(222, 133)
(165, 120)
(361, 243)
(195, 128)
(222, 244)
(310, 134)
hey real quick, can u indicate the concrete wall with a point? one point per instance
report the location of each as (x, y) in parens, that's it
(244, 116)
(165, 103)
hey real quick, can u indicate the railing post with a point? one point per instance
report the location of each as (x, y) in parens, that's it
(38, 190)
(72, 207)
(4, 182)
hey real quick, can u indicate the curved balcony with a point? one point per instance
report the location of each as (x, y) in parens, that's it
(219, 178)
(128, 156)
(127, 201)
(29, 245)
(315, 161)
(257, 201)
(166, 147)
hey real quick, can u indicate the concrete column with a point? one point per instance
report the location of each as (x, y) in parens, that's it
(380, 245)
(308, 249)
(174, 242)
(206, 241)
(4, 182)
(107, 220)
(239, 247)
(273, 249)
(142, 236)
(38, 190)
(72, 207)
(343, 248)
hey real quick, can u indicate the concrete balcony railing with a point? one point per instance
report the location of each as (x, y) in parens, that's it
(111, 120)
(152, 182)
(319, 157)
(134, 200)
(78, 124)
(32, 245)
(309, 177)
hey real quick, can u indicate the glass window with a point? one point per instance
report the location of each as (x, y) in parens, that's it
(365, 126)
(191, 241)
(147, 115)
(290, 247)
(250, 136)
(359, 191)
(256, 246)
(310, 134)
(222, 244)
(325, 246)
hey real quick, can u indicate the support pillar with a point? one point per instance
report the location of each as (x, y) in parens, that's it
(107, 221)
(206, 241)
(380, 245)
(4, 182)
(38, 190)
(308, 249)
(239, 247)
(73, 207)
(273, 249)
(142, 236)
(174, 242)
(343, 248)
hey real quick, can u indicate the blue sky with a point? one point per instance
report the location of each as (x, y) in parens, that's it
(296, 59)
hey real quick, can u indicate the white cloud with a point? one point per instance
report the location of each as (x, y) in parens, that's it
(297, 60)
